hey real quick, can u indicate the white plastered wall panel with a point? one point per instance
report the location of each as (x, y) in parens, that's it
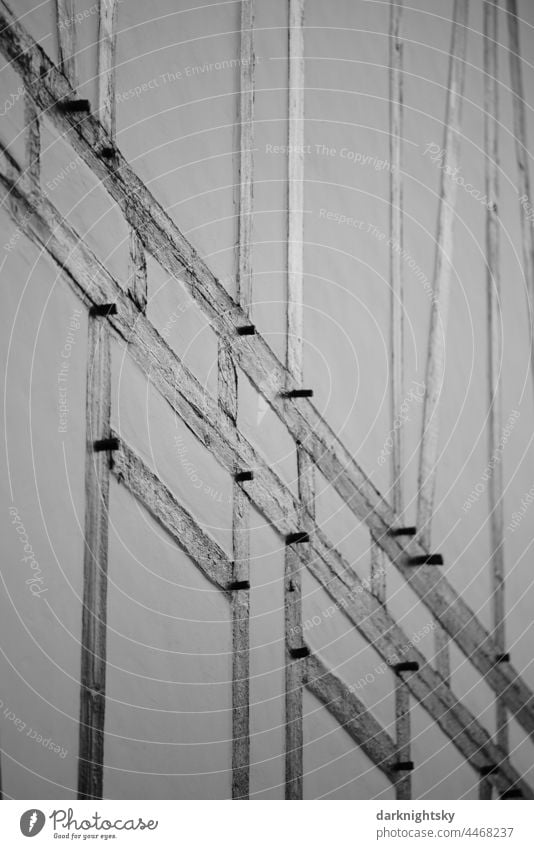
(44, 349)
(334, 638)
(177, 81)
(269, 249)
(168, 447)
(441, 772)
(179, 320)
(334, 767)
(168, 722)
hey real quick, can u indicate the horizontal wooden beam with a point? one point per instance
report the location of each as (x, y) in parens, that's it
(162, 238)
(36, 216)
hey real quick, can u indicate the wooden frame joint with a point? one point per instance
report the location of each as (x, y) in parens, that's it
(406, 666)
(426, 560)
(297, 537)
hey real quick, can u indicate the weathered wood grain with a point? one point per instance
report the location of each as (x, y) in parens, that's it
(107, 35)
(523, 158)
(130, 470)
(228, 403)
(294, 363)
(33, 141)
(495, 343)
(378, 572)
(396, 341)
(295, 188)
(95, 565)
(241, 647)
(137, 272)
(435, 364)
(403, 784)
(41, 222)
(66, 33)
(246, 164)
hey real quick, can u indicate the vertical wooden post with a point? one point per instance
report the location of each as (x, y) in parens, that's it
(107, 33)
(93, 640)
(440, 303)
(522, 155)
(246, 164)
(396, 233)
(495, 348)
(295, 189)
(295, 666)
(403, 784)
(66, 31)
(241, 647)
(228, 402)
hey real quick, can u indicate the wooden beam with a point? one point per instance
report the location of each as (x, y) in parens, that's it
(266, 373)
(130, 471)
(523, 163)
(378, 572)
(495, 343)
(403, 784)
(295, 190)
(185, 395)
(396, 248)
(107, 35)
(241, 646)
(66, 35)
(246, 164)
(294, 365)
(228, 403)
(33, 141)
(435, 365)
(137, 276)
(95, 567)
